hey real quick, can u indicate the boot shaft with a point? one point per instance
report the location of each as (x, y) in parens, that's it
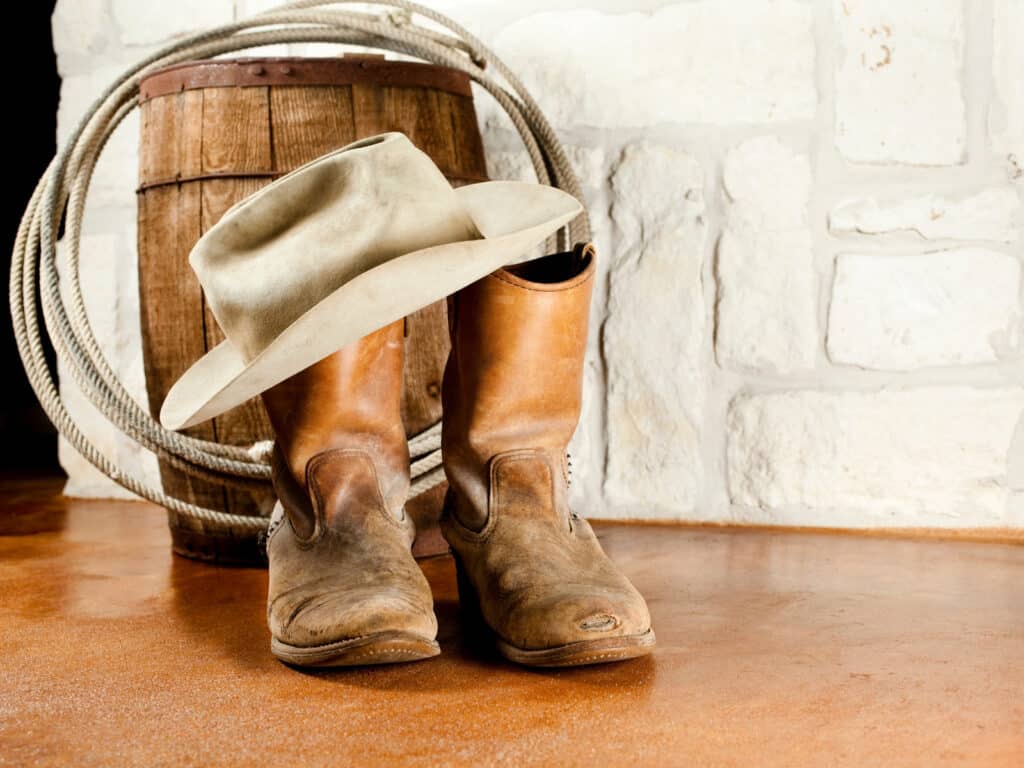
(349, 402)
(514, 378)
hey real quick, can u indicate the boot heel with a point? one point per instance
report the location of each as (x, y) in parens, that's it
(469, 602)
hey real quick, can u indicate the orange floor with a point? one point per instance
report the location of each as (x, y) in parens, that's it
(774, 649)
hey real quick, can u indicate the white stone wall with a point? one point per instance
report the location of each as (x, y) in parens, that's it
(809, 217)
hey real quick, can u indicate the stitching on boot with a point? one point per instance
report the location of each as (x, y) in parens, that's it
(529, 455)
(479, 537)
(277, 519)
(321, 459)
(493, 515)
(286, 485)
(554, 471)
(452, 523)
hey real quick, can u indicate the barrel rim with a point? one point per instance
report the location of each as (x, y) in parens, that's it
(301, 71)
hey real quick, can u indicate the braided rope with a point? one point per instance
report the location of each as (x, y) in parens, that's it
(37, 263)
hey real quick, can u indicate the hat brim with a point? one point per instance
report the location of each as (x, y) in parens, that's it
(512, 217)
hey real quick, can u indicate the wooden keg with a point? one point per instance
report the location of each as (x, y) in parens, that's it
(213, 132)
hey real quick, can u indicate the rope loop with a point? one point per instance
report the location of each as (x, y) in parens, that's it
(60, 195)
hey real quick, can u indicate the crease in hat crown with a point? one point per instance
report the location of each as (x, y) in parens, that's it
(291, 244)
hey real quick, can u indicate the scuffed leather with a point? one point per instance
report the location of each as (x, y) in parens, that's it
(354, 574)
(512, 392)
(341, 566)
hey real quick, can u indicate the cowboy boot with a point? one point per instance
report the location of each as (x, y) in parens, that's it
(511, 394)
(344, 587)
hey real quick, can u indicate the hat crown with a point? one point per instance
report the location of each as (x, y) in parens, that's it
(279, 252)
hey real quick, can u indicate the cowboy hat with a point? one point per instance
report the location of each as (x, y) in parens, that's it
(338, 248)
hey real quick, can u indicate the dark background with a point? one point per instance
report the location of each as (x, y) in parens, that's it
(27, 440)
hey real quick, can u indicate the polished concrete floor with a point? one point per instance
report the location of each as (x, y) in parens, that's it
(774, 649)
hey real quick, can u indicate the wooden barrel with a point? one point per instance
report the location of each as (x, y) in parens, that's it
(212, 133)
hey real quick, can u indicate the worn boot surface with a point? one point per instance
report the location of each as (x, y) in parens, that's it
(533, 569)
(344, 588)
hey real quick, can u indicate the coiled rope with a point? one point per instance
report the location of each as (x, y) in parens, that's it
(61, 194)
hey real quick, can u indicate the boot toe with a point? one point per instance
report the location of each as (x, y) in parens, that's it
(347, 614)
(569, 615)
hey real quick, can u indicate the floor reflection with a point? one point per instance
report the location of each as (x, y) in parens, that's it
(773, 649)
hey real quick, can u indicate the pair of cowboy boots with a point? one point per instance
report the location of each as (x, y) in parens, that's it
(344, 587)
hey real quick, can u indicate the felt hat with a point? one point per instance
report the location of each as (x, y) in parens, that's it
(338, 248)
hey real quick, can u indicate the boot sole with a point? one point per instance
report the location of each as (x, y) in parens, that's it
(379, 648)
(581, 653)
(603, 650)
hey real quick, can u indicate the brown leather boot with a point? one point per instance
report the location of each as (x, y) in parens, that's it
(344, 588)
(511, 396)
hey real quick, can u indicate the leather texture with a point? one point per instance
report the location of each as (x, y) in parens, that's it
(340, 564)
(512, 393)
